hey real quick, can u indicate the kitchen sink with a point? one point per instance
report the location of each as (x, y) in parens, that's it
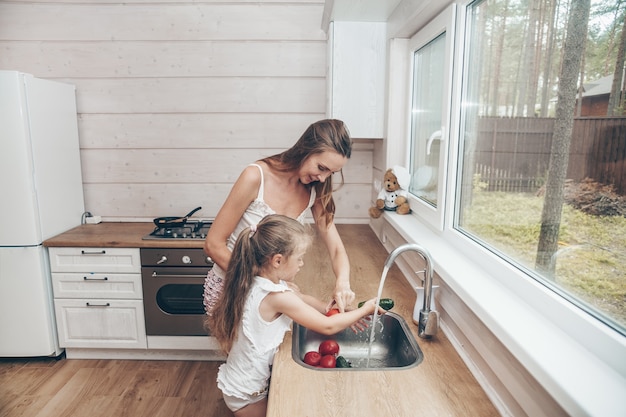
(394, 347)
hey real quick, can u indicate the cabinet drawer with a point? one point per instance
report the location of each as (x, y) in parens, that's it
(109, 260)
(96, 285)
(102, 323)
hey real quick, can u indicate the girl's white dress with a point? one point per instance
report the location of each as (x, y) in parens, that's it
(247, 370)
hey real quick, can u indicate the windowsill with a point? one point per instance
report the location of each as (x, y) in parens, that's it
(581, 381)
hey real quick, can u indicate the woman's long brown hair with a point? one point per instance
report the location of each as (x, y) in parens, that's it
(323, 135)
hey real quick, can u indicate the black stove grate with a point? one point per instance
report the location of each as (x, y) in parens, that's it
(192, 229)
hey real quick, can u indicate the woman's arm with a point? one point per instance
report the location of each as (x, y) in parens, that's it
(343, 295)
(243, 193)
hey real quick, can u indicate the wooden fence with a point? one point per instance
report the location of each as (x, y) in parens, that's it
(513, 154)
(503, 180)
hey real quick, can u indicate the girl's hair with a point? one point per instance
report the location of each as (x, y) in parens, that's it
(253, 250)
(324, 135)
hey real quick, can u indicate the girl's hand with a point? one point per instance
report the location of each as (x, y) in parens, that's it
(370, 306)
(361, 325)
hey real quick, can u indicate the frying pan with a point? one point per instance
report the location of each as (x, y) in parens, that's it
(174, 221)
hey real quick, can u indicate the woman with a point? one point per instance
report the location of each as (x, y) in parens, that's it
(288, 183)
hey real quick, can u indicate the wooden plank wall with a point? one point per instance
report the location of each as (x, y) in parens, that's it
(175, 98)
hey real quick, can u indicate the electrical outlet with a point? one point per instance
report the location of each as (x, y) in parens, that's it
(93, 219)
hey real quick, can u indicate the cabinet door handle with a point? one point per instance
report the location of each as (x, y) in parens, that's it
(88, 304)
(101, 252)
(96, 279)
(180, 276)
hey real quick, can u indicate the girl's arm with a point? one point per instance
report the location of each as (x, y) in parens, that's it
(243, 193)
(317, 304)
(306, 315)
(343, 295)
(321, 306)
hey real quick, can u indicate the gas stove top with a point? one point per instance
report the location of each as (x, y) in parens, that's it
(192, 229)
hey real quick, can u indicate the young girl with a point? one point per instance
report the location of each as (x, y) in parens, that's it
(256, 308)
(289, 183)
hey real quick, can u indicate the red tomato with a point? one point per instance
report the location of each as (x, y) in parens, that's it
(332, 312)
(328, 361)
(312, 358)
(329, 347)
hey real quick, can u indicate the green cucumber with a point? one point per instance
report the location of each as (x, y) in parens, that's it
(385, 303)
(342, 362)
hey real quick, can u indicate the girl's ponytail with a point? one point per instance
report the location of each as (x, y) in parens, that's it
(228, 311)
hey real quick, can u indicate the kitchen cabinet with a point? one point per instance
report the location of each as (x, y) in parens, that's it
(98, 298)
(356, 79)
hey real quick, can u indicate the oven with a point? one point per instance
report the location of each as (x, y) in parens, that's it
(173, 287)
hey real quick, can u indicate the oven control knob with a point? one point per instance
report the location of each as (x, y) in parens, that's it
(163, 259)
(186, 259)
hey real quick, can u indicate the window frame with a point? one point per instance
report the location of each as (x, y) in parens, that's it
(442, 23)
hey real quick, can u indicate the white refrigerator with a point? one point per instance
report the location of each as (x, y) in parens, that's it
(41, 195)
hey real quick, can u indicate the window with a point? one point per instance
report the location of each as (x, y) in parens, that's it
(550, 202)
(426, 126)
(431, 59)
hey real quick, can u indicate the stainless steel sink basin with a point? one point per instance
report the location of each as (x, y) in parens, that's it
(394, 348)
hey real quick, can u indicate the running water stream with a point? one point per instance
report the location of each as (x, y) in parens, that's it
(375, 318)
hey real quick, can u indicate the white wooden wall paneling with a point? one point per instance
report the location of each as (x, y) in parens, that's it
(157, 2)
(144, 187)
(189, 165)
(168, 21)
(175, 98)
(189, 58)
(190, 95)
(142, 202)
(193, 130)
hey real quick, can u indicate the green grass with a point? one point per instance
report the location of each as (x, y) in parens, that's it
(591, 261)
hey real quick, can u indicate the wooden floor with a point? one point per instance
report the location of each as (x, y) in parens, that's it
(109, 388)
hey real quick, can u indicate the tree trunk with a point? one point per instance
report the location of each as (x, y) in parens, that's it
(524, 107)
(547, 67)
(495, 100)
(615, 98)
(559, 155)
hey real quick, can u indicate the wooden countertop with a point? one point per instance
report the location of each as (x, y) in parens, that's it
(117, 235)
(440, 386)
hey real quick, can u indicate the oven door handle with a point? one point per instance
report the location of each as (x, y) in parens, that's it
(155, 274)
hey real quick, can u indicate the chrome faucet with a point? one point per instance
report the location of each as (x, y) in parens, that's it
(428, 319)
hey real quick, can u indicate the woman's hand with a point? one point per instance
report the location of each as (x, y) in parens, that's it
(343, 296)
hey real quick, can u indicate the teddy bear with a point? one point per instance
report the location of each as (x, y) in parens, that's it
(393, 195)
